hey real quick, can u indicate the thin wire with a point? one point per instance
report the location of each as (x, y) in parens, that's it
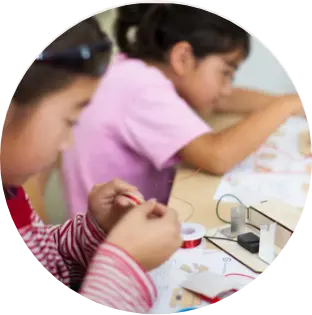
(192, 208)
(239, 201)
(217, 206)
(208, 238)
(187, 177)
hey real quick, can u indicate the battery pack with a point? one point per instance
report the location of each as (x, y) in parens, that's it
(249, 241)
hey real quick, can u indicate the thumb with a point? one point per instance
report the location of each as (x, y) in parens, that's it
(147, 207)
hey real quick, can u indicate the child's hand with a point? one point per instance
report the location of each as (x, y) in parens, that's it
(150, 233)
(107, 204)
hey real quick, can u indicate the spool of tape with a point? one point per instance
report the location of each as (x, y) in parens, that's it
(192, 234)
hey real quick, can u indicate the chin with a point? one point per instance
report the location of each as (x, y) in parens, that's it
(14, 181)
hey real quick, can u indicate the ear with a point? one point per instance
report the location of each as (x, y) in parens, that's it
(181, 58)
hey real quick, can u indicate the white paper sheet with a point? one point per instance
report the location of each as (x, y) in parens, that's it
(276, 170)
(169, 276)
(254, 188)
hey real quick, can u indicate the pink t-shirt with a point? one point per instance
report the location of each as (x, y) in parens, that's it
(132, 130)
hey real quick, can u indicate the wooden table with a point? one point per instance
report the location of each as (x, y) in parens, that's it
(192, 193)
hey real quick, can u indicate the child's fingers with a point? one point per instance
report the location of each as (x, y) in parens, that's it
(159, 210)
(172, 215)
(124, 202)
(115, 187)
(135, 198)
(119, 186)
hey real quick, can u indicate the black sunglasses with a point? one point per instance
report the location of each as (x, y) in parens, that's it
(87, 59)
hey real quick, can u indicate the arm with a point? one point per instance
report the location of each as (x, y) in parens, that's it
(116, 280)
(113, 278)
(182, 133)
(219, 152)
(245, 101)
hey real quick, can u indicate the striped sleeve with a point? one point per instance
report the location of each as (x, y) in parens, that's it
(78, 239)
(75, 254)
(75, 242)
(116, 280)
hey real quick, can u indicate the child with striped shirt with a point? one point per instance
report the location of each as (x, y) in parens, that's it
(105, 253)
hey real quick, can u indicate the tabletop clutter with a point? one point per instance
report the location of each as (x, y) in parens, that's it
(248, 245)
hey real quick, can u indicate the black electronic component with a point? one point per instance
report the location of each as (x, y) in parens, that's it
(249, 241)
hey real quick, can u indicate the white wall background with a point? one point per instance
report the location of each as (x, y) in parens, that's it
(261, 71)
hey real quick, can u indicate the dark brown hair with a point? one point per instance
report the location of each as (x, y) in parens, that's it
(43, 78)
(158, 27)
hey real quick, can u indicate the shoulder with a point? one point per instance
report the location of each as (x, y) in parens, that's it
(133, 75)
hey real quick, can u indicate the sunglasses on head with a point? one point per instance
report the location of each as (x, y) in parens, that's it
(86, 59)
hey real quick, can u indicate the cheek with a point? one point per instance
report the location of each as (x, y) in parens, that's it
(206, 90)
(213, 82)
(24, 156)
(43, 147)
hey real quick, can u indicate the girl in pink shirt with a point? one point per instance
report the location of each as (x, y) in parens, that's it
(176, 64)
(106, 252)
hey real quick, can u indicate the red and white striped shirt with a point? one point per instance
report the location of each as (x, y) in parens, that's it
(75, 253)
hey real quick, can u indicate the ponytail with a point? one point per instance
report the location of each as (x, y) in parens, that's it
(145, 18)
(128, 16)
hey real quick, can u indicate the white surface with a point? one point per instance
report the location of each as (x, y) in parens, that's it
(209, 284)
(286, 173)
(263, 71)
(169, 276)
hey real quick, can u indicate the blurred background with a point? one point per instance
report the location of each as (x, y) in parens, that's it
(261, 71)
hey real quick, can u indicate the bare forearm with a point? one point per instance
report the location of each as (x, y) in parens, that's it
(245, 101)
(219, 152)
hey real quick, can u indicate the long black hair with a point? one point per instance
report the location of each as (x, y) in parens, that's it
(158, 27)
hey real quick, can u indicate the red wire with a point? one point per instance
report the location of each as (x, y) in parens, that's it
(217, 299)
(191, 244)
(239, 275)
(135, 200)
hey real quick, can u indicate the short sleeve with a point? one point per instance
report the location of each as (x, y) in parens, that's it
(160, 123)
